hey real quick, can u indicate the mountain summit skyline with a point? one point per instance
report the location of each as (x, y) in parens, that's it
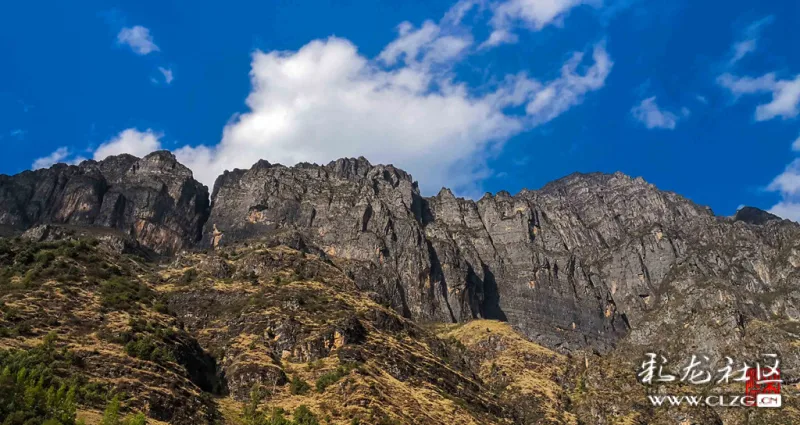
(473, 95)
(539, 307)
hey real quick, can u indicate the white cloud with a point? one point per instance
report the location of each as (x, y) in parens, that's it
(138, 38)
(787, 210)
(742, 48)
(785, 94)
(18, 133)
(167, 73)
(60, 155)
(749, 42)
(788, 182)
(405, 106)
(534, 14)
(130, 141)
(559, 95)
(431, 45)
(498, 37)
(747, 85)
(648, 113)
(785, 98)
(788, 185)
(326, 101)
(46, 161)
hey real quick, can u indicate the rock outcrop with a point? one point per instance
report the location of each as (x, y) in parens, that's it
(581, 262)
(577, 263)
(153, 199)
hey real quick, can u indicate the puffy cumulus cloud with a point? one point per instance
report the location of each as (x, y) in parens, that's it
(138, 38)
(130, 141)
(326, 101)
(62, 154)
(534, 14)
(796, 145)
(648, 113)
(405, 106)
(785, 94)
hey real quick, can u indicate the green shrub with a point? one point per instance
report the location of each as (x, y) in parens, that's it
(188, 276)
(298, 386)
(146, 348)
(304, 416)
(331, 377)
(120, 293)
(32, 387)
(111, 414)
(137, 419)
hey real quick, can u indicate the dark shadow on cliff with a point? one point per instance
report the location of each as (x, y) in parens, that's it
(437, 275)
(491, 297)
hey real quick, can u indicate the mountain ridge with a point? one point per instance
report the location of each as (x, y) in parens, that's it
(558, 262)
(245, 286)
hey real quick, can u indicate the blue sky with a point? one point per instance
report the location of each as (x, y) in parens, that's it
(697, 97)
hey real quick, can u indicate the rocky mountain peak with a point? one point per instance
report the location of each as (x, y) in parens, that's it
(153, 199)
(754, 215)
(581, 262)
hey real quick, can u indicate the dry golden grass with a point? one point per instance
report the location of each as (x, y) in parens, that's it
(522, 368)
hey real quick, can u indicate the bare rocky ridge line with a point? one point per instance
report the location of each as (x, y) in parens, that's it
(581, 262)
(154, 199)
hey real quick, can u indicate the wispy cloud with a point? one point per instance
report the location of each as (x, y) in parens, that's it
(138, 38)
(130, 141)
(532, 14)
(60, 155)
(18, 133)
(749, 41)
(785, 93)
(167, 73)
(652, 116)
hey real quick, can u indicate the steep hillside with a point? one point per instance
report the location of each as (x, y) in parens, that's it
(226, 336)
(339, 294)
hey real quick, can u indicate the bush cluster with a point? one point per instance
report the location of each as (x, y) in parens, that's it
(298, 386)
(252, 415)
(331, 377)
(121, 293)
(33, 391)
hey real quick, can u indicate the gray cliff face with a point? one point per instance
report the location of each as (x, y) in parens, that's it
(154, 199)
(577, 263)
(582, 262)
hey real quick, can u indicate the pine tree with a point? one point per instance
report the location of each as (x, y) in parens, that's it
(111, 414)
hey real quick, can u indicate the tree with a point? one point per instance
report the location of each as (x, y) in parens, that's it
(137, 419)
(111, 414)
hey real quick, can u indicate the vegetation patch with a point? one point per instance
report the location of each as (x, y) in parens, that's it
(333, 376)
(41, 385)
(122, 293)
